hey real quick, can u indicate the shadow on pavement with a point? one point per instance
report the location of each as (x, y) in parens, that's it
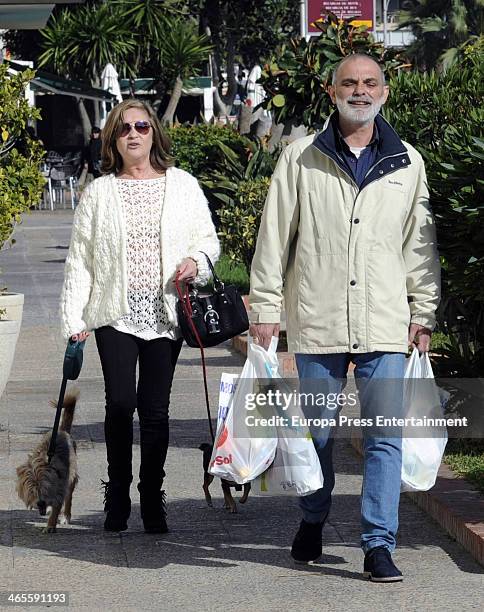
(200, 536)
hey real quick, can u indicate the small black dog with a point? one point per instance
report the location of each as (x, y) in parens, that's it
(229, 501)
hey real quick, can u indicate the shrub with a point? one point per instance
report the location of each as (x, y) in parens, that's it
(442, 116)
(195, 147)
(21, 182)
(432, 110)
(232, 273)
(239, 221)
(296, 80)
(235, 165)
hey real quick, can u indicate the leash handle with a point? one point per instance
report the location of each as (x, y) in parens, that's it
(55, 429)
(187, 308)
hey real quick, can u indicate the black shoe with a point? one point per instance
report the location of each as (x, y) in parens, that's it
(308, 543)
(379, 566)
(153, 510)
(117, 506)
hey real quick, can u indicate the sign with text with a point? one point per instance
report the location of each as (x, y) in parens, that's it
(362, 10)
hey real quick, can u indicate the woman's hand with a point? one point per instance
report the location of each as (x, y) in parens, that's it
(81, 336)
(187, 270)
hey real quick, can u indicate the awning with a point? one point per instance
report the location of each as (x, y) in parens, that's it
(193, 86)
(27, 14)
(52, 83)
(141, 86)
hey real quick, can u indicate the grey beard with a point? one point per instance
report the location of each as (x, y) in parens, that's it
(360, 117)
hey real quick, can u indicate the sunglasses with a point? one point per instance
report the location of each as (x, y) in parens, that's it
(142, 127)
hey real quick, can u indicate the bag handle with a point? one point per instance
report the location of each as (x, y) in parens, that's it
(218, 285)
(187, 309)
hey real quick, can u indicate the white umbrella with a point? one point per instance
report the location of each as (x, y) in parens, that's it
(109, 82)
(256, 93)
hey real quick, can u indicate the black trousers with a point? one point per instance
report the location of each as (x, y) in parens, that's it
(119, 354)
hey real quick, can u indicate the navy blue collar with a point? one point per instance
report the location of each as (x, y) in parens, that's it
(375, 138)
(391, 154)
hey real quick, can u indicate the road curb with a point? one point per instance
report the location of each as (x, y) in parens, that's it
(453, 503)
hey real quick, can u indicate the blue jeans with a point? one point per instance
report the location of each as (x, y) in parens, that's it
(382, 455)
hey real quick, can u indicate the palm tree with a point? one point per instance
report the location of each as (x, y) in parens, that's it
(442, 29)
(148, 20)
(79, 43)
(182, 51)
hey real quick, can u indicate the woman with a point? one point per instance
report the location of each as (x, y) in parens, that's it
(138, 226)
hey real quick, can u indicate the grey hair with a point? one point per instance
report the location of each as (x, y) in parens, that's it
(351, 57)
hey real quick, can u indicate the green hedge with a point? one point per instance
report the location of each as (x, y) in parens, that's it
(195, 147)
(442, 115)
(239, 222)
(21, 182)
(233, 273)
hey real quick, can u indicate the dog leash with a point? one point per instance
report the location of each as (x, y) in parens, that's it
(187, 308)
(70, 371)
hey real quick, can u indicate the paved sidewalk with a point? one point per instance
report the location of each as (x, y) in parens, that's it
(210, 560)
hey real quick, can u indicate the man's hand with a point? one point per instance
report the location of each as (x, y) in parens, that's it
(420, 337)
(262, 333)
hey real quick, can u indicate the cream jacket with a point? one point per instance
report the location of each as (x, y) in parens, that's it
(355, 266)
(95, 286)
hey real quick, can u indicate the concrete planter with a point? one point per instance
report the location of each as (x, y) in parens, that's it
(10, 323)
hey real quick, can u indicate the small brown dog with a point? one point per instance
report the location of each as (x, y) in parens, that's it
(41, 484)
(229, 501)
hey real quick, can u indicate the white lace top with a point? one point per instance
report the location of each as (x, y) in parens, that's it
(142, 202)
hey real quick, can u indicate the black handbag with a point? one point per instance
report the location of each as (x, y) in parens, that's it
(207, 319)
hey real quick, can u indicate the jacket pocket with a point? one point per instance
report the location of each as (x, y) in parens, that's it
(322, 301)
(388, 311)
(318, 221)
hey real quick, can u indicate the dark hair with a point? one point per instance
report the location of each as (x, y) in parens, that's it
(111, 160)
(96, 130)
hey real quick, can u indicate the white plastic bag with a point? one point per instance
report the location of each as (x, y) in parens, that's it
(236, 457)
(228, 384)
(421, 457)
(296, 469)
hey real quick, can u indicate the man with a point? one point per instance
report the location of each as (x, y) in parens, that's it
(348, 239)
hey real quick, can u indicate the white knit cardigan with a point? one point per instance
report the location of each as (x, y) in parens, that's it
(95, 289)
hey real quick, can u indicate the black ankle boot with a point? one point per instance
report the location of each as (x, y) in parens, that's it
(308, 542)
(153, 510)
(117, 506)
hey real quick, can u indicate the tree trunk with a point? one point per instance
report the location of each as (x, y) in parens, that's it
(132, 87)
(97, 114)
(96, 82)
(245, 119)
(217, 100)
(176, 93)
(219, 106)
(85, 121)
(285, 132)
(159, 95)
(231, 80)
